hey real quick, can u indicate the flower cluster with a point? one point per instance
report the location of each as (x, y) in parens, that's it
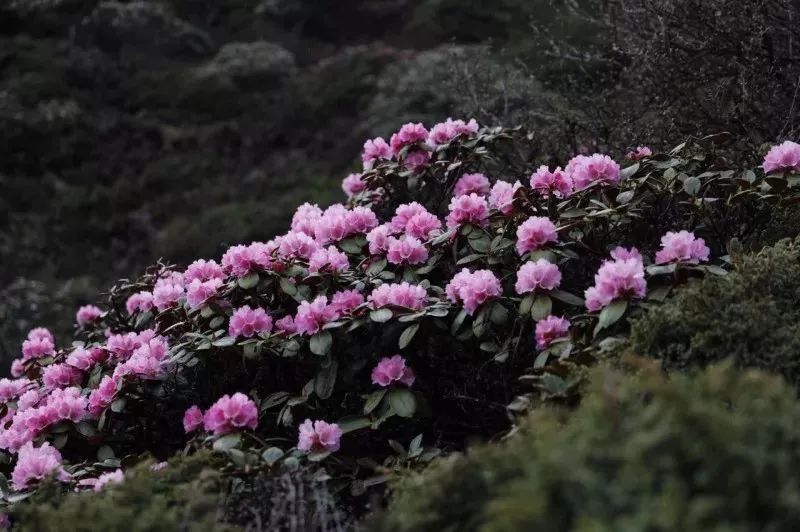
(682, 246)
(473, 289)
(229, 414)
(621, 277)
(391, 370)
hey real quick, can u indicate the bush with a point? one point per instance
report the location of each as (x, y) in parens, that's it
(394, 341)
(750, 316)
(714, 452)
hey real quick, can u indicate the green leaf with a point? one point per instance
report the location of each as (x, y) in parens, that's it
(403, 402)
(661, 269)
(225, 341)
(104, 453)
(86, 429)
(498, 314)
(353, 423)
(288, 287)
(216, 322)
(408, 335)
(377, 267)
(692, 186)
(469, 258)
(542, 307)
(526, 304)
(625, 197)
(629, 171)
(350, 245)
(248, 281)
(566, 297)
(716, 270)
(227, 442)
(321, 343)
(118, 404)
(611, 314)
(272, 455)
(381, 315)
(481, 322)
(373, 400)
(459, 319)
(325, 380)
(541, 359)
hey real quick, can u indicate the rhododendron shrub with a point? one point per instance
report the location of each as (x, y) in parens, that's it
(414, 315)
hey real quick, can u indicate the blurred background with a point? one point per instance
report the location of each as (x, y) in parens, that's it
(132, 131)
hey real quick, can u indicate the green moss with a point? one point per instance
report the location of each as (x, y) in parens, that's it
(751, 316)
(718, 451)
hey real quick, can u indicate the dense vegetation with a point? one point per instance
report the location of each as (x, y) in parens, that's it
(424, 355)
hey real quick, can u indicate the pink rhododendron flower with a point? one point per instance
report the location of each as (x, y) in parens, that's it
(536, 276)
(81, 358)
(285, 325)
(346, 301)
(378, 239)
(204, 270)
(473, 289)
(621, 253)
(17, 368)
(557, 182)
(501, 197)
(60, 376)
(192, 419)
(404, 213)
(88, 314)
(445, 132)
(311, 316)
(36, 463)
(140, 301)
(403, 295)
(682, 246)
(114, 477)
(122, 346)
(240, 261)
(28, 400)
(471, 209)
(415, 160)
(102, 396)
(549, 329)
(640, 153)
(319, 436)
(65, 404)
(40, 333)
(407, 135)
(167, 293)
(199, 292)
(231, 413)
(360, 220)
(374, 150)
(11, 389)
(248, 322)
(40, 343)
(406, 250)
(783, 157)
(330, 259)
(305, 218)
(535, 233)
(353, 184)
(472, 184)
(391, 370)
(585, 170)
(294, 245)
(616, 279)
(423, 225)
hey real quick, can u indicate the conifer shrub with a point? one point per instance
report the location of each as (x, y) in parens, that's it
(750, 316)
(716, 451)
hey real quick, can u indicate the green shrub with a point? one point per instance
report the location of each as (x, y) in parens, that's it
(751, 316)
(182, 496)
(718, 451)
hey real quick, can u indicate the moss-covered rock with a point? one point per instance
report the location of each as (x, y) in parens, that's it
(714, 452)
